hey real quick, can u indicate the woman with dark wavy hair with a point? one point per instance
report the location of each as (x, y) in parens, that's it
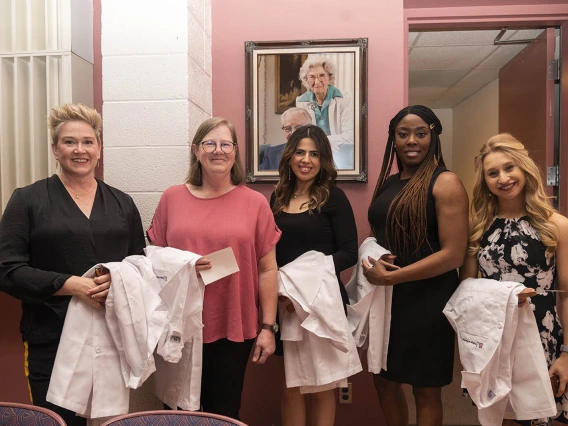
(420, 215)
(313, 214)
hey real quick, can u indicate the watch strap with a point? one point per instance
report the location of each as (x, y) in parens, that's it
(563, 348)
(271, 327)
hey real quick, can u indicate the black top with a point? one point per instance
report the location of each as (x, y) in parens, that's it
(421, 345)
(45, 239)
(331, 232)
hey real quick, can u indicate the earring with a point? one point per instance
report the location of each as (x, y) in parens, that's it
(289, 173)
(98, 164)
(490, 194)
(320, 175)
(57, 166)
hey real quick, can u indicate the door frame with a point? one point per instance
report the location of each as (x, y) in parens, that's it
(483, 17)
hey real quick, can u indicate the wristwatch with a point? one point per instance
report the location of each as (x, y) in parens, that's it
(563, 348)
(272, 327)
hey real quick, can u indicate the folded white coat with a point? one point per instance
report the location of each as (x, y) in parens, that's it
(369, 312)
(103, 352)
(505, 371)
(177, 380)
(320, 351)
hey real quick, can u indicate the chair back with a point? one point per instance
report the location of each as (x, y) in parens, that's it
(12, 413)
(172, 418)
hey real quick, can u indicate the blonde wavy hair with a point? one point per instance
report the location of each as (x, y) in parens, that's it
(484, 204)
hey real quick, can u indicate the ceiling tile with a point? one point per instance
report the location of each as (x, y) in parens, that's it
(479, 78)
(457, 38)
(451, 57)
(435, 78)
(522, 34)
(501, 56)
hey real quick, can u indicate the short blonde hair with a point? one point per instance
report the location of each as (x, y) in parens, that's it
(195, 175)
(73, 112)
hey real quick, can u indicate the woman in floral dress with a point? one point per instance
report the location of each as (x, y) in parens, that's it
(515, 235)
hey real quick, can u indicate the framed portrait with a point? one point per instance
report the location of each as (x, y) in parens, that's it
(292, 83)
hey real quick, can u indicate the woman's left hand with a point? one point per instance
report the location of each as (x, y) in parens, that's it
(560, 367)
(263, 346)
(379, 271)
(100, 292)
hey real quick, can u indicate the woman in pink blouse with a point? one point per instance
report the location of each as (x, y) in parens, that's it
(211, 211)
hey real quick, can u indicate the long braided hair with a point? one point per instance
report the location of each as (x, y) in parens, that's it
(319, 190)
(406, 223)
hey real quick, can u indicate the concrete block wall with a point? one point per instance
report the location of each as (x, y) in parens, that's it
(156, 66)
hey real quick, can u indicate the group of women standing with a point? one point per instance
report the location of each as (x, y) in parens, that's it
(55, 229)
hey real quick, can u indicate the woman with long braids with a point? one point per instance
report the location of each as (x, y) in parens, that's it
(313, 214)
(420, 214)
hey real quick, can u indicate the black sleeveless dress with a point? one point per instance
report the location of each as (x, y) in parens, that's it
(421, 346)
(511, 250)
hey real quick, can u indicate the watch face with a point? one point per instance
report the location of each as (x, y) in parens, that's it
(275, 328)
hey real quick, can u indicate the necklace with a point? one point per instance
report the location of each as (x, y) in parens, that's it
(294, 196)
(73, 193)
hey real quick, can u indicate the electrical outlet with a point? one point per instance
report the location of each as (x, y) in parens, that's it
(346, 394)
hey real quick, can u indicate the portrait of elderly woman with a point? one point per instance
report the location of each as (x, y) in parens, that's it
(330, 108)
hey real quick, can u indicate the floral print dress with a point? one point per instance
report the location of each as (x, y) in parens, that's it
(511, 250)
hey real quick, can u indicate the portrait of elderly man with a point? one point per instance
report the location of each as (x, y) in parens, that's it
(330, 109)
(291, 119)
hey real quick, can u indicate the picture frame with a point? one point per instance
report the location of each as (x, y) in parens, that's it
(273, 85)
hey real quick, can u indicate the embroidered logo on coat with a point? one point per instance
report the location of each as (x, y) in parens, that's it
(478, 345)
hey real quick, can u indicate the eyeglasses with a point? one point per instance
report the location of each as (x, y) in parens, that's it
(290, 129)
(320, 77)
(210, 146)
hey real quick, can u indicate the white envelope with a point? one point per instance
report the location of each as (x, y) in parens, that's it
(223, 263)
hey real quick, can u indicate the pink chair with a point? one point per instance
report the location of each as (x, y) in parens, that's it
(14, 414)
(172, 418)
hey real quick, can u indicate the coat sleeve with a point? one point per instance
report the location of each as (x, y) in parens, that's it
(17, 277)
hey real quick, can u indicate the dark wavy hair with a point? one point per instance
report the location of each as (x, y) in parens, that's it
(406, 221)
(319, 190)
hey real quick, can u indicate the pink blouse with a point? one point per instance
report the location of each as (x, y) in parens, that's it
(241, 219)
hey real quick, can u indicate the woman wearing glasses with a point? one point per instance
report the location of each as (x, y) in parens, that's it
(330, 109)
(211, 211)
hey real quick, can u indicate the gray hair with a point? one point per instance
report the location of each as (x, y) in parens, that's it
(296, 111)
(314, 61)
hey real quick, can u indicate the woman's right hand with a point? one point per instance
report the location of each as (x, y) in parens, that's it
(202, 264)
(79, 287)
(289, 306)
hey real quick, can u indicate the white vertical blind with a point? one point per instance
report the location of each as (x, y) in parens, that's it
(35, 75)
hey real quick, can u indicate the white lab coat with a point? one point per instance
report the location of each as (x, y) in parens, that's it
(505, 371)
(320, 351)
(177, 380)
(98, 356)
(369, 312)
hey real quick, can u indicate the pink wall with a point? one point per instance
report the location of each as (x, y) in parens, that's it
(382, 22)
(250, 20)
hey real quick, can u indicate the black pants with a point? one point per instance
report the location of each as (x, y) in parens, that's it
(223, 376)
(39, 359)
